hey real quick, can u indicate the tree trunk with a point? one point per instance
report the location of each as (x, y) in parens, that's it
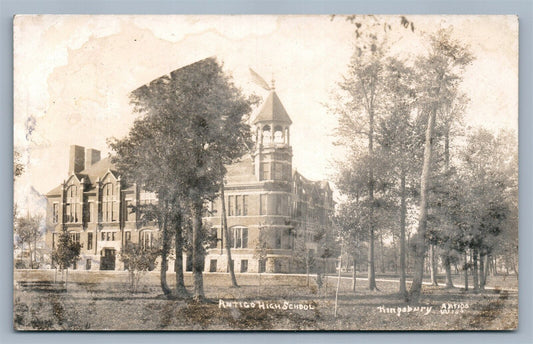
(181, 291)
(382, 253)
(197, 256)
(227, 237)
(433, 271)
(465, 269)
(164, 256)
(354, 274)
(482, 268)
(420, 238)
(448, 269)
(403, 212)
(371, 265)
(307, 265)
(475, 270)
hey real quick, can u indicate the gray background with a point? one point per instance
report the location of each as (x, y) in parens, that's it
(523, 8)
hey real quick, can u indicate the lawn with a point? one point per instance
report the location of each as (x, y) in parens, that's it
(101, 301)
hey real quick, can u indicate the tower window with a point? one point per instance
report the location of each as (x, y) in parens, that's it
(278, 135)
(265, 171)
(267, 135)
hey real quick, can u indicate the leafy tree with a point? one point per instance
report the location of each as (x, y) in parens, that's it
(399, 137)
(350, 220)
(489, 174)
(138, 260)
(439, 73)
(193, 124)
(27, 230)
(66, 253)
(359, 108)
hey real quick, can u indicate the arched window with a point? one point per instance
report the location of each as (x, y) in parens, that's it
(278, 135)
(72, 205)
(109, 203)
(267, 134)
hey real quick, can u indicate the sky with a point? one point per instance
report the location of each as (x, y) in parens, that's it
(73, 75)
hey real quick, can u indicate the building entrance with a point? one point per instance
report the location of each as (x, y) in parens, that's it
(107, 261)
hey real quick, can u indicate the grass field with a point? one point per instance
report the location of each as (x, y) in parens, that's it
(101, 301)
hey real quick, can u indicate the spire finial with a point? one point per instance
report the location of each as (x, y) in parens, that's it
(273, 83)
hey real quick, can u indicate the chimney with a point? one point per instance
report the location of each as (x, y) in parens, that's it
(77, 159)
(92, 156)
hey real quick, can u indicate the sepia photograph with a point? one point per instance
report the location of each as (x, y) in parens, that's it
(265, 173)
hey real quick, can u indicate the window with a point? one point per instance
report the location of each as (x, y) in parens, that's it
(239, 237)
(278, 205)
(278, 239)
(230, 206)
(129, 215)
(286, 172)
(89, 241)
(127, 237)
(267, 135)
(55, 212)
(281, 205)
(74, 237)
(72, 205)
(90, 212)
(213, 265)
(109, 203)
(262, 265)
(146, 239)
(244, 265)
(146, 197)
(278, 170)
(103, 236)
(244, 237)
(88, 264)
(238, 209)
(263, 204)
(265, 171)
(244, 205)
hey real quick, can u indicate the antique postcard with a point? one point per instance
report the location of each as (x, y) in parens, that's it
(261, 172)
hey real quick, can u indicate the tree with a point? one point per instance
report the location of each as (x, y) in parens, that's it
(66, 253)
(193, 124)
(227, 240)
(138, 260)
(350, 222)
(360, 107)
(261, 251)
(489, 174)
(439, 73)
(399, 136)
(28, 232)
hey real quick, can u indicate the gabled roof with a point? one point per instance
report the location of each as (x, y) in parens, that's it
(91, 174)
(272, 111)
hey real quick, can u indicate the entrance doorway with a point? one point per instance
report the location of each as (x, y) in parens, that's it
(107, 261)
